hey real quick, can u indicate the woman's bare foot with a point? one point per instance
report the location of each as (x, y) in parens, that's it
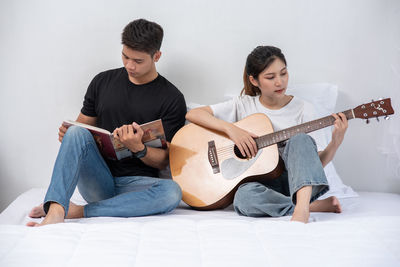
(302, 209)
(37, 212)
(330, 204)
(300, 214)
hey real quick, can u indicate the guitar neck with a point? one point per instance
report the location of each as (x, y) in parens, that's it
(283, 135)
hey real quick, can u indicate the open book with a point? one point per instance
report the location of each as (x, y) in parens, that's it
(113, 149)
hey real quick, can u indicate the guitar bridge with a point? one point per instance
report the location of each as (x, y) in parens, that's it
(213, 157)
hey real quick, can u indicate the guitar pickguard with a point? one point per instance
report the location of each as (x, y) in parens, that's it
(232, 167)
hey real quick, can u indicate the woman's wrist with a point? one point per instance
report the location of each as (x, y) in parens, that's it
(226, 127)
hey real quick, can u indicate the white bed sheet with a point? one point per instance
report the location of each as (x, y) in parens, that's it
(367, 233)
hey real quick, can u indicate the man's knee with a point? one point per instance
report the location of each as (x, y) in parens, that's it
(77, 131)
(172, 196)
(78, 135)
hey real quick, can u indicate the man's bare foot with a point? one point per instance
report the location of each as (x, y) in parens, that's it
(37, 212)
(74, 211)
(330, 204)
(55, 215)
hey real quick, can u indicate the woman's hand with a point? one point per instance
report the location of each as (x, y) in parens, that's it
(243, 139)
(340, 127)
(131, 136)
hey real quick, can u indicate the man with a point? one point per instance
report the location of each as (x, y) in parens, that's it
(119, 100)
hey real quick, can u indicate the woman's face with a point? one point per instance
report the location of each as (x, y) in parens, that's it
(273, 80)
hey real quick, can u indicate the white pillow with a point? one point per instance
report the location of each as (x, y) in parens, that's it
(323, 96)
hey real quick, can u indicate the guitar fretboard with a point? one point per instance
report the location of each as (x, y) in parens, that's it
(279, 136)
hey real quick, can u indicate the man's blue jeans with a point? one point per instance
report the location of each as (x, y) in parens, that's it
(278, 197)
(79, 163)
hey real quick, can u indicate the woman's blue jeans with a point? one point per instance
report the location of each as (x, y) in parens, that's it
(278, 197)
(79, 163)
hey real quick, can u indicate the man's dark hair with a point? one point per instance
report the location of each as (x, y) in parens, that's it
(143, 35)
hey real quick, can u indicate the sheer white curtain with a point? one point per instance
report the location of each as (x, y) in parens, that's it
(390, 146)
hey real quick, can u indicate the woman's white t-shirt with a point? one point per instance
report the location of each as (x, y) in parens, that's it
(296, 112)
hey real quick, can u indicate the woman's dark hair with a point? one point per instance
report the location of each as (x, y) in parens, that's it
(143, 35)
(257, 61)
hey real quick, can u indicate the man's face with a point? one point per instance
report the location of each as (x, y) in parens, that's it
(139, 65)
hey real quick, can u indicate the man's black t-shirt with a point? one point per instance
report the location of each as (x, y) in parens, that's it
(115, 101)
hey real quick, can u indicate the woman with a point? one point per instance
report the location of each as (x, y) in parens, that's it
(303, 181)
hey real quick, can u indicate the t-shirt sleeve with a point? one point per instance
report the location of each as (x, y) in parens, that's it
(174, 116)
(89, 102)
(225, 110)
(309, 114)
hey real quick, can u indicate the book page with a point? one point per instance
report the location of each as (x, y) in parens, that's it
(154, 130)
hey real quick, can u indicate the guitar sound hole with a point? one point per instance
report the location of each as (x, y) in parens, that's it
(238, 153)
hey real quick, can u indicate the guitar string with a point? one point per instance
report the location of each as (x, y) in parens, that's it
(225, 147)
(224, 155)
(227, 154)
(225, 150)
(278, 135)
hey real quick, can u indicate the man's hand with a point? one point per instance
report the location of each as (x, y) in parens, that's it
(61, 132)
(131, 136)
(81, 118)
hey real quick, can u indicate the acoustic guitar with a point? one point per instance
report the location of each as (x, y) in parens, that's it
(209, 167)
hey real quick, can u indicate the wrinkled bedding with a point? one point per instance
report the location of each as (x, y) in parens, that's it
(366, 233)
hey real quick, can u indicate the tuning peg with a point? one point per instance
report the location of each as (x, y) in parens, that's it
(387, 117)
(377, 119)
(367, 121)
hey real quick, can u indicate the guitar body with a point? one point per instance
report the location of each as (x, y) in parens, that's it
(191, 169)
(204, 164)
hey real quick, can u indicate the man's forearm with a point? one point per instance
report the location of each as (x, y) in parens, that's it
(156, 158)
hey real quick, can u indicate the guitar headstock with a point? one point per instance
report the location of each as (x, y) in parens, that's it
(374, 109)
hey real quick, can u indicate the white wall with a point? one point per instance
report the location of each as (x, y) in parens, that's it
(50, 50)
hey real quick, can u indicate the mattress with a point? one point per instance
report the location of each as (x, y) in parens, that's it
(366, 233)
